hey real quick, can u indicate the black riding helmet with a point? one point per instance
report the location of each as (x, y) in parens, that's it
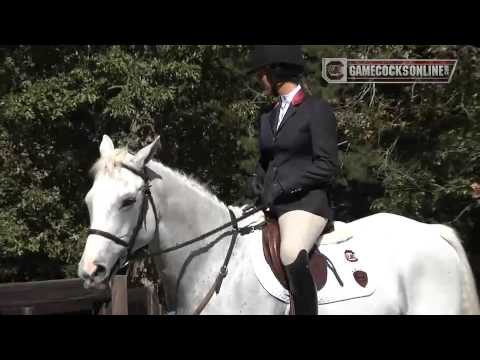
(283, 63)
(274, 55)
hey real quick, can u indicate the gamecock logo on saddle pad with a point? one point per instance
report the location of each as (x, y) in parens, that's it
(361, 278)
(350, 256)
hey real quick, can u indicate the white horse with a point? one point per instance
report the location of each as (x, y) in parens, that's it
(418, 268)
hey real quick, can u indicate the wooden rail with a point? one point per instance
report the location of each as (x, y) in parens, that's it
(69, 296)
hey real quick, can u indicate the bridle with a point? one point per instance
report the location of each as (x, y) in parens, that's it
(142, 215)
(147, 198)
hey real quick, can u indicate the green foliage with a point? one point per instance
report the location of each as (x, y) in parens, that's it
(425, 139)
(414, 150)
(57, 102)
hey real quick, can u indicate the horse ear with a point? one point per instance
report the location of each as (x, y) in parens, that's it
(106, 147)
(145, 155)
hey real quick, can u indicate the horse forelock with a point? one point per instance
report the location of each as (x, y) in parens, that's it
(106, 165)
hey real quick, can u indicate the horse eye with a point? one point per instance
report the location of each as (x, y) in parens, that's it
(128, 202)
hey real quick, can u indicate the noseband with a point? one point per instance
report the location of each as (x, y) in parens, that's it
(142, 216)
(147, 197)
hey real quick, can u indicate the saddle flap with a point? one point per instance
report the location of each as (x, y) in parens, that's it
(318, 268)
(271, 248)
(342, 270)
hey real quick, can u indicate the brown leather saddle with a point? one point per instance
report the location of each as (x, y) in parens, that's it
(271, 250)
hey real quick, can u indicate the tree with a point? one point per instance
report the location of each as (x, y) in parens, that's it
(57, 102)
(413, 149)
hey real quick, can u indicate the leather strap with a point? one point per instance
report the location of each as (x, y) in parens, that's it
(223, 270)
(109, 236)
(142, 216)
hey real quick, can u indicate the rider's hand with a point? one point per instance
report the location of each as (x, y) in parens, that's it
(272, 194)
(255, 187)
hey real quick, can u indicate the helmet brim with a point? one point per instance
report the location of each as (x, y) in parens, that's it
(255, 68)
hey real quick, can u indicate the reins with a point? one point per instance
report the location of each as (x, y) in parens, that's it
(242, 231)
(147, 198)
(223, 270)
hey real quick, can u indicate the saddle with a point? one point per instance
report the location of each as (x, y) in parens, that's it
(271, 249)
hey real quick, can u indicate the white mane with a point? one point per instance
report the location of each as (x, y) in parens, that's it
(107, 164)
(191, 182)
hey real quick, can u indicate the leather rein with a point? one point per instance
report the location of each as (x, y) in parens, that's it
(147, 198)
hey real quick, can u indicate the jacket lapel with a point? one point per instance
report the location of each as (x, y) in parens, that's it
(292, 109)
(274, 118)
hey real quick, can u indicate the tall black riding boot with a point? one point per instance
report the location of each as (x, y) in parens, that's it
(302, 286)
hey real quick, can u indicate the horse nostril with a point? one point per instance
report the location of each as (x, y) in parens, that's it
(100, 271)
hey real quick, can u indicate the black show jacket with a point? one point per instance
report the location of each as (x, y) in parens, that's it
(298, 162)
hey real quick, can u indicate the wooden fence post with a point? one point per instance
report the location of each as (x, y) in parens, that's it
(106, 308)
(153, 305)
(119, 295)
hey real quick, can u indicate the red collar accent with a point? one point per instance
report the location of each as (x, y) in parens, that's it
(298, 98)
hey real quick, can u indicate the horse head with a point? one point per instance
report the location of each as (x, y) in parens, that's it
(121, 209)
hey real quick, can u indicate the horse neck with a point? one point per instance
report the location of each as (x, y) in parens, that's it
(187, 211)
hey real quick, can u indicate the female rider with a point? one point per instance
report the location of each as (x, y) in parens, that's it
(298, 162)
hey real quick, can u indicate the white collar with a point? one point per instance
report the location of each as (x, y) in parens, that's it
(287, 99)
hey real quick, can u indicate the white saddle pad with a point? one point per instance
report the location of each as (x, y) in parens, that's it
(339, 248)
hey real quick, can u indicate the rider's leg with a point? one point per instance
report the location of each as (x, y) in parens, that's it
(299, 232)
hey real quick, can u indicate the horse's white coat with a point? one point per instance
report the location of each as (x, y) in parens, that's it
(419, 268)
(341, 284)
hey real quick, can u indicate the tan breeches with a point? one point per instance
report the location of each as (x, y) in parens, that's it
(299, 230)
